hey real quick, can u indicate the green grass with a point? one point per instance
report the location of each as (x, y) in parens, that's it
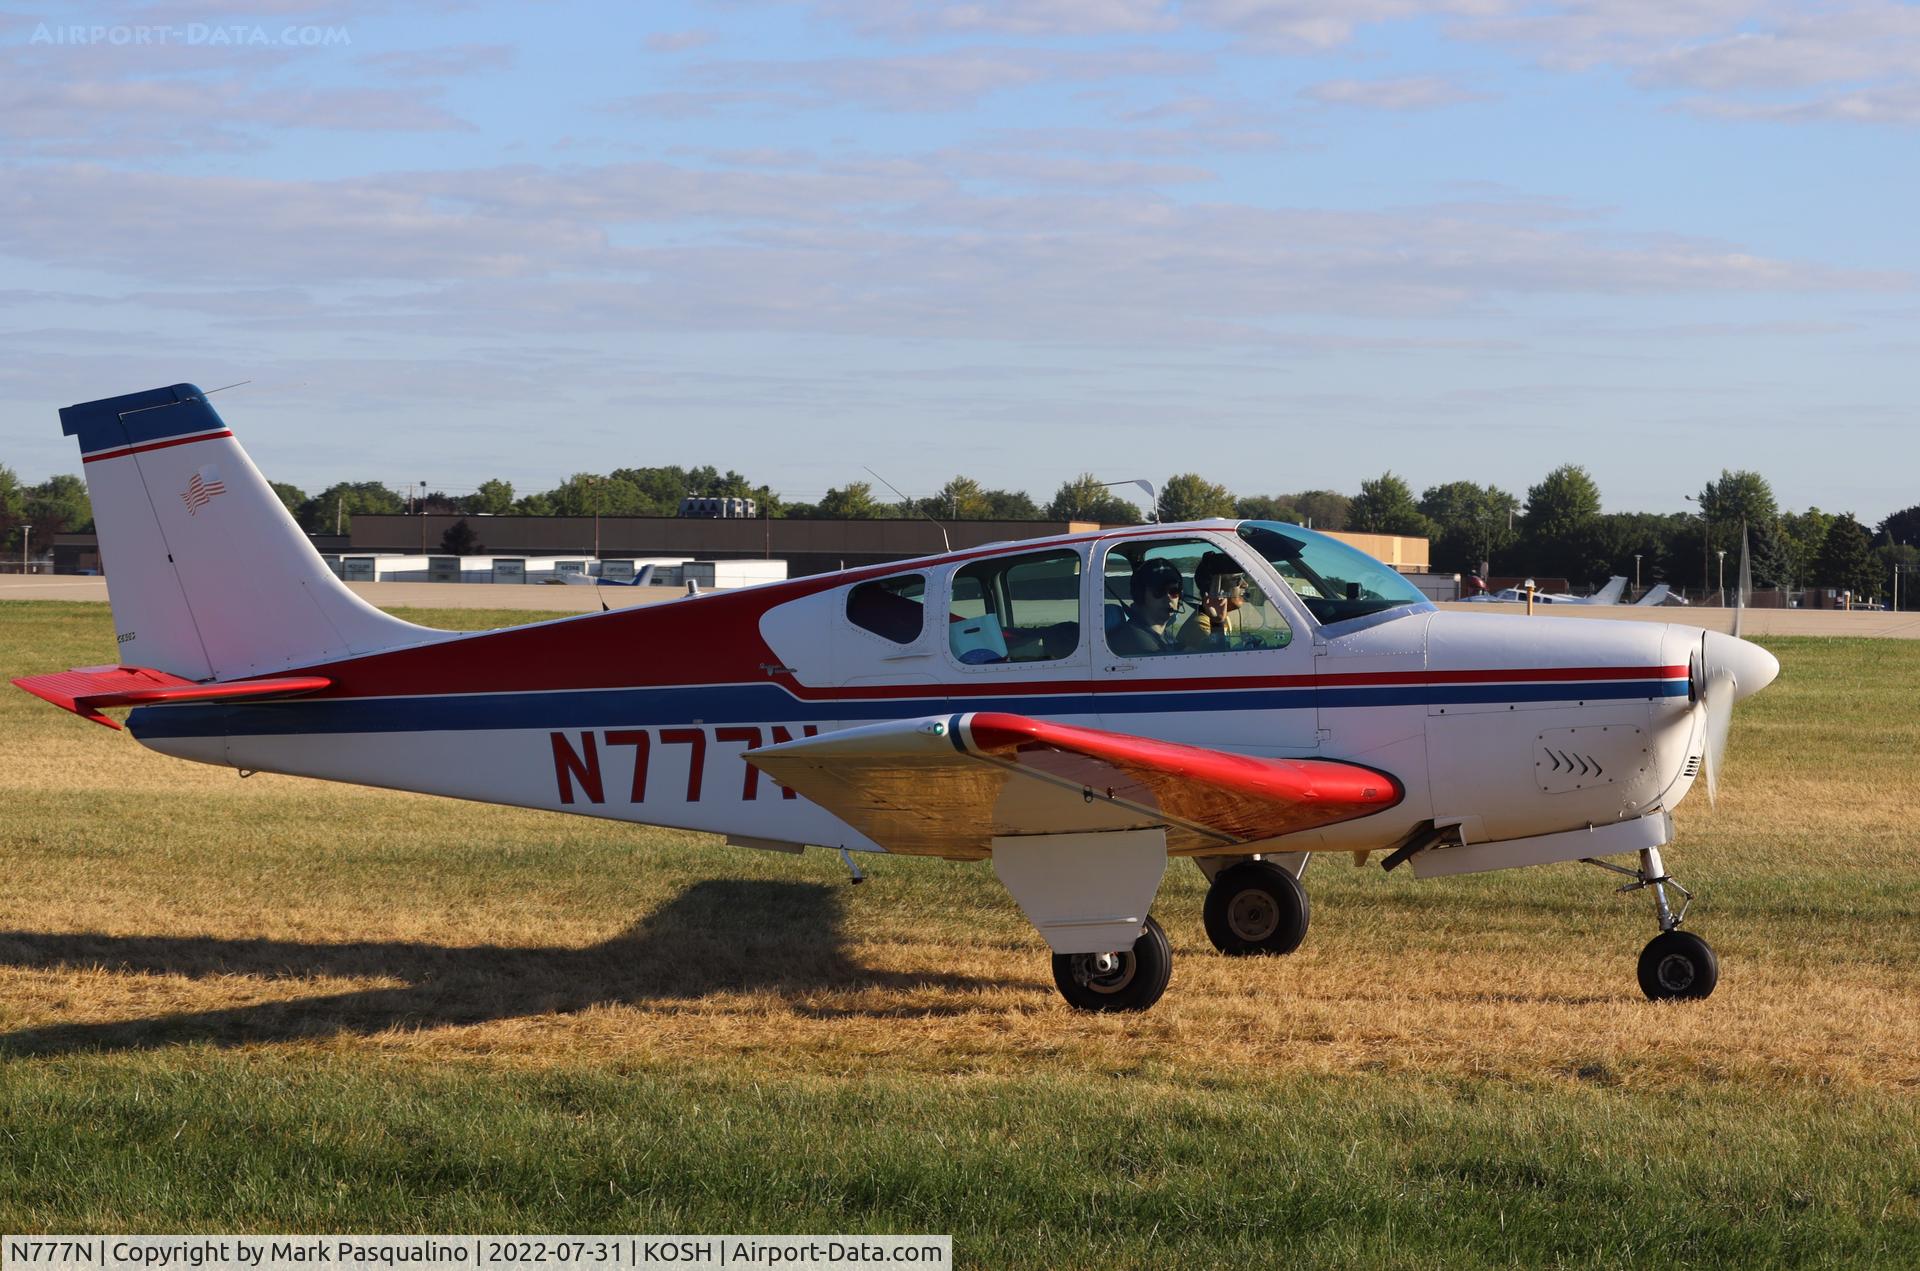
(281, 1005)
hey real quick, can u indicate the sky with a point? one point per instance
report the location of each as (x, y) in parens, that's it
(1281, 243)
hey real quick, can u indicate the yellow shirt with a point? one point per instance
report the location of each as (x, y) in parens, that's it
(1199, 633)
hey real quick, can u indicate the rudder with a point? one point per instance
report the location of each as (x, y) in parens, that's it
(208, 575)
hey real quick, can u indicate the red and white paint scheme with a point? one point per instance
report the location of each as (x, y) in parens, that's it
(1076, 709)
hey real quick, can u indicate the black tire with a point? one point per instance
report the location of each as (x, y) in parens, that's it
(1134, 984)
(1256, 908)
(1678, 965)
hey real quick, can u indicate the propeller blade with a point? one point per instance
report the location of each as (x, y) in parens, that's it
(1717, 701)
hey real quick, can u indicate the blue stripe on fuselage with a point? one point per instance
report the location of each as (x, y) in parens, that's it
(761, 703)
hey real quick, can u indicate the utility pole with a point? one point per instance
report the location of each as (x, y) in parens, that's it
(1706, 550)
(593, 484)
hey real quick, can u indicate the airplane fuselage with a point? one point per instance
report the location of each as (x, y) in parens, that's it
(1505, 726)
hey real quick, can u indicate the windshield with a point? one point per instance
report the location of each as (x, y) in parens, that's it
(1334, 581)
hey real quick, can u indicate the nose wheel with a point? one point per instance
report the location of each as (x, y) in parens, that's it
(1676, 965)
(1256, 908)
(1123, 980)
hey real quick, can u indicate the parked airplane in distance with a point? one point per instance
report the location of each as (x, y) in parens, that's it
(1610, 594)
(1660, 594)
(1075, 709)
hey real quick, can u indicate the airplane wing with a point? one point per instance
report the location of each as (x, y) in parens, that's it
(86, 690)
(950, 785)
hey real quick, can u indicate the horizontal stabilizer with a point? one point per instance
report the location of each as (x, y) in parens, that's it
(950, 785)
(87, 690)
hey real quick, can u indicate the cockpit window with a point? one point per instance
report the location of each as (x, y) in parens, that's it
(1184, 595)
(1334, 581)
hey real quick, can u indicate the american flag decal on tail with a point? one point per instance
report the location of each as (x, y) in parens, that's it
(201, 489)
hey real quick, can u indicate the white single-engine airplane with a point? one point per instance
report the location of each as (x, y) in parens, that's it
(1076, 709)
(1610, 594)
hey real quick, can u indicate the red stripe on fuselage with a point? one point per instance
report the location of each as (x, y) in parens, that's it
(154, 445)
(638, 648)
(714, 641)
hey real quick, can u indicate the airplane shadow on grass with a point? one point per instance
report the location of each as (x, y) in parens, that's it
(722, 936)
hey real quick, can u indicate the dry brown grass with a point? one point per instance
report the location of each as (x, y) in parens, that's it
(147, 903)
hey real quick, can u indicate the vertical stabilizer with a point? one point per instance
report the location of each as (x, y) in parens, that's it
(208, 575)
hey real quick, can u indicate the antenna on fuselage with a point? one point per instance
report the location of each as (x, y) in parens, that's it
(945, 542)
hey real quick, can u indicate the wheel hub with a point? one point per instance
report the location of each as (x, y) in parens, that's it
(1105, 972)
(1253, 915)
(1676, 972)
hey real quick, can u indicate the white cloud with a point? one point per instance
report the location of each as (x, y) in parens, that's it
(1746, 59)
(450, 62)
(1306, 25)
(919, 18)
(870, 249)
(1893, 105)
(1754, 59)
(678, 41)
(948, 80)
(106, 102)
(1424, 92)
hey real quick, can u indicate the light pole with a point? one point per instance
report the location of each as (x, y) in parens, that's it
(1636, 573)
(423, 518)
(26, 554)
(1705, 546)
(1722, 553)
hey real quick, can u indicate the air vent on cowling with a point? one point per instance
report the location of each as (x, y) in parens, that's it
(1569, 759)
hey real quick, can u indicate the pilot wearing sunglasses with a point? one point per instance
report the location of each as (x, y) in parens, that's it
(1157, 587)
(1223, 590)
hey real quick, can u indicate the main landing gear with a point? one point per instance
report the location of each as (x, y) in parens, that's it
(1128, 980)
(1675, 964)
(1254, 908)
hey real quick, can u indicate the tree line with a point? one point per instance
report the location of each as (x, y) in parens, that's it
(1557, 530)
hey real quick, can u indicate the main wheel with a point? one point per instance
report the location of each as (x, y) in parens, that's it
(1678, 964)
(1130, 980)
(1256, 908)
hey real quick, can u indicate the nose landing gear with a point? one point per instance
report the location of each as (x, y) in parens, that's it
(1675, 964)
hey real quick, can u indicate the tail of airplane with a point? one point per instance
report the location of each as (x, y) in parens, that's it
(1610, 594)
(208, 575)
(1655, 596)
